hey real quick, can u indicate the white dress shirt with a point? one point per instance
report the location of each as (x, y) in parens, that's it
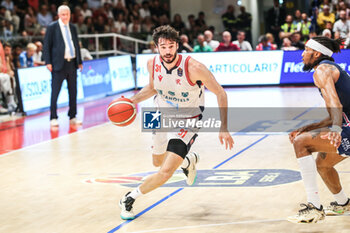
(67, 54)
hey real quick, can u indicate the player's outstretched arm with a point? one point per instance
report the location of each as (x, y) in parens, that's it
(198, 72)
(148, 91)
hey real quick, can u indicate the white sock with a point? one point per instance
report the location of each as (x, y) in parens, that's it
(185, 163)
(340, 197)
(135, 193)
(308, 172)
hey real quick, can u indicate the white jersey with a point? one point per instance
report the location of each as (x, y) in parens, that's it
(174, 87)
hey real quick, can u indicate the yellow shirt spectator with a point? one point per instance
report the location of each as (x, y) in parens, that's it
(324, 17)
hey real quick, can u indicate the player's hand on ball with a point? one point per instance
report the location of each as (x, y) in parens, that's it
(226, 138)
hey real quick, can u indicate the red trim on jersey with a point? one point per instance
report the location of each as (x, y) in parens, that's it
(154, 61)
(179, 61)
(187, 73)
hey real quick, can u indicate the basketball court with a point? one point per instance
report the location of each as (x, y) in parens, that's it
(71, 179)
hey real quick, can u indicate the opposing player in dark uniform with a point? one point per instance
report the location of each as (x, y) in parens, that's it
(329, 137)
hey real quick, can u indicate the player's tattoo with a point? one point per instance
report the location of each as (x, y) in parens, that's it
(323, 155)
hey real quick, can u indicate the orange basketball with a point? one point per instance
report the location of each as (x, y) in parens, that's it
(121, 112)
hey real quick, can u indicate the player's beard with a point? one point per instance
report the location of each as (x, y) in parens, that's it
(169, 62)
(309, 66)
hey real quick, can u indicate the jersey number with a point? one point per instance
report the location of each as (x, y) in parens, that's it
(182, 133)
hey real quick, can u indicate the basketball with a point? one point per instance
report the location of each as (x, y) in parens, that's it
(121, 112)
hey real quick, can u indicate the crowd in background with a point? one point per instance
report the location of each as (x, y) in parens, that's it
(22, 21)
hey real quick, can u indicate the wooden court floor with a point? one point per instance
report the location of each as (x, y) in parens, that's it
(72, 183)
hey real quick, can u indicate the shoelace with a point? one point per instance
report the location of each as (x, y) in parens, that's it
(305, 210)
(128, 203)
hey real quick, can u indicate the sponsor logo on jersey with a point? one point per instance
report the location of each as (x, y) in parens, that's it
(160, 91)
(160, 77)
(213, 178)
(180, 72)
(178, 81)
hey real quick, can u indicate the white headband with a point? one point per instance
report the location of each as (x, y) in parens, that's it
(312, 44)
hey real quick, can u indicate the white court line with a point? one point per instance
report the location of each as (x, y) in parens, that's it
(211, 225)
(50, 140)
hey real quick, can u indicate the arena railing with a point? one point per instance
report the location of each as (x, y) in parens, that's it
(97, 44)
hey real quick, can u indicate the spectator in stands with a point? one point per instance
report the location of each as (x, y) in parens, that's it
(297, 18)
(152, 48)
(75, 15)
(8, 4)
(324, 17)
(241, 43)
(227, 45)
(287, 45)
(156, 11)
(265, 44)
(85, 11)
(275, 18)
(327, 33)
(90, 25)
(200, 22)
(329, 26)
(144, 10)
(244, 22)
(120, 23)
(26, 58)
(229, 20)
(342, 25)
(288, 27)
(271, 40)
(201, 47)
(178, 24)
(37, 57)
(304, 27)
(296, 41)
(16, 51)
(147, 25)
(135, 11)
(120, 9)
(53, 11)
(5, 82)
(99, 26)
(7, 32)
(30, 22)
(184, 46)
(44, 17)
(134, 27)
(85, 54)
(208, 36)
(81, 26)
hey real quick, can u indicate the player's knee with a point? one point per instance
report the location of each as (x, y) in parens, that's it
(178, 147)
(157, 162)
(165, 175)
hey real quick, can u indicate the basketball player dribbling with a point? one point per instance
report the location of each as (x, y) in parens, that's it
(333, 143)
(172, 75)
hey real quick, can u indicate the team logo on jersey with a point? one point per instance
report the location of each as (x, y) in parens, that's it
(180, 72)
(171, 93)
(213, 178)
(152, 119)
(178, 81)
(184, 94)
(160, 77)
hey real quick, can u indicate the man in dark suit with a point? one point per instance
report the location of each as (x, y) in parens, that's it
(62, 57)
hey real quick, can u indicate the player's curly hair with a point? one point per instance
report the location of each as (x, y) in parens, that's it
(333, 45)
(166, 32)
